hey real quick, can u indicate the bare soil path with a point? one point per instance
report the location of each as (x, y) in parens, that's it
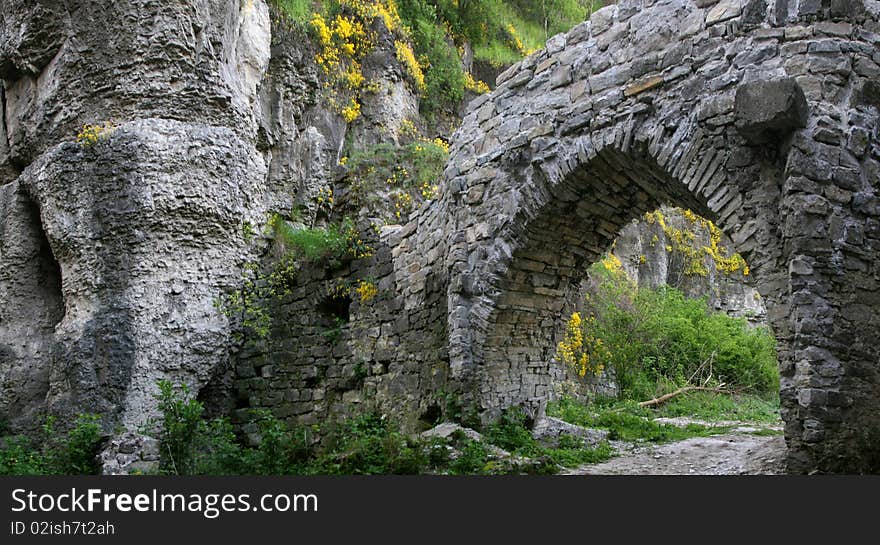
(736, 452)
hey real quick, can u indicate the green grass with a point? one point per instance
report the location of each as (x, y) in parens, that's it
(766, 432)
(297, 10)
(511, 434)
(718, 406)
(626, 421)
(311, 244)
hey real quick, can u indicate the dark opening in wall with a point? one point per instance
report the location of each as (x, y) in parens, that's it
(432, 416)
(50, 275)
(336, 308)
(45, 271)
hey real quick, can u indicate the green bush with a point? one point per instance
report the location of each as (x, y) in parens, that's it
(657, 339)
(74, 453)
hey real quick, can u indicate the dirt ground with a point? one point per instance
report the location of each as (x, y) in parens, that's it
(737, 452)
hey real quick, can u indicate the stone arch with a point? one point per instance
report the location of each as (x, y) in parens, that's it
(758, 116)
(559, 213)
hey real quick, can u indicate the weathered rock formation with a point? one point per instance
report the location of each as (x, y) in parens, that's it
(681, 255)
(633, 109)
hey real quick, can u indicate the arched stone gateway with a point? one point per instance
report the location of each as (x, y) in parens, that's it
(760, 117)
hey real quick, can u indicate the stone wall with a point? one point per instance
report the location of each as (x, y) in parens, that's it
(757, 116)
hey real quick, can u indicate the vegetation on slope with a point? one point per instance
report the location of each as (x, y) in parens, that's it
(653, 341)
(54, 453)
(431, 37)
(656, 342)
(368, 443)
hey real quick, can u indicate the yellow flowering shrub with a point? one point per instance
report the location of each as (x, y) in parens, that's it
(516, 41)
(91, 134)
(684, 241)
(475, 85)
(345, 39)
(352, 111)
(406, 57)
(403, 203)
(365, 291)
(579, 349)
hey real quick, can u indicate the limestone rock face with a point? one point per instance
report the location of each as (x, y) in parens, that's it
(651, 259)
(116, 248)
(30, 289)
(146, 226)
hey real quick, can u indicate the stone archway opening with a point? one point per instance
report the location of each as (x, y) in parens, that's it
(555, 242)
(563, 226)
(668, 348)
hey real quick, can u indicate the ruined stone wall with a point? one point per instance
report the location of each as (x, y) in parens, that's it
(761, 117)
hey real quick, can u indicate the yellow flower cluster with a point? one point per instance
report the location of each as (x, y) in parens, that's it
(90, 134)
(406, 57)
(372, 9)
(339, 290)
(345, 41)
(366, 291)
(475, 85)
(352, 111)
(325, 195)
(517, 42)
(581, 350)
(357, 248)
(402, 203)
(684, 242)
(442, 144)
(429, 191)
(407, 129)
(324, 200)
(612, 263)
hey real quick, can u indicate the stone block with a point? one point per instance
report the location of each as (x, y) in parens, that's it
(765, 110)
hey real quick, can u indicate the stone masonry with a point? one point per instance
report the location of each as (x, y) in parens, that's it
(762, 116)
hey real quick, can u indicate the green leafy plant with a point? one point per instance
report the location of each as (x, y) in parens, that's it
(73, 453)
(655, 340)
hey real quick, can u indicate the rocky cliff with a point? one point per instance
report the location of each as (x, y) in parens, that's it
(131, 162)
(676, 248)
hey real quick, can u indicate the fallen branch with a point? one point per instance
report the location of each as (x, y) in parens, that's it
(666, 397)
